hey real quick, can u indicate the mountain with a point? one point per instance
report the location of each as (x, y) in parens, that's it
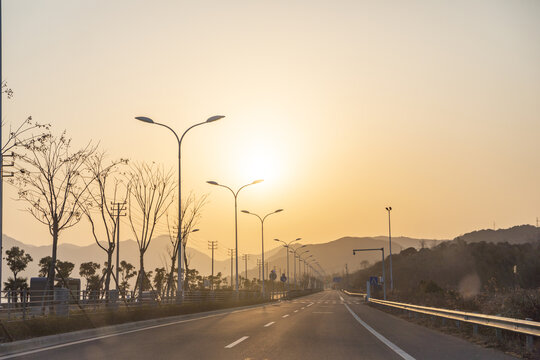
(332, 255)
(515, 235)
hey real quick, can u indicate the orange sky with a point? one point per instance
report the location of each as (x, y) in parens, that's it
(343, 108)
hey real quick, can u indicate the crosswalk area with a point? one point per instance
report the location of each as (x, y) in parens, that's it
(330, 302)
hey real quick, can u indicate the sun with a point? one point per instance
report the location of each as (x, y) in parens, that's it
(260, 161)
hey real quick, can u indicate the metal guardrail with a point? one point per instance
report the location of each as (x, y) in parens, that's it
(354, 294)
(526, 327)
(24, 304)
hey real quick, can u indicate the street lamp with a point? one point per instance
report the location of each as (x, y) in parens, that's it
(262, 238)
(300, 273)
(286, 245)
(235, 194)
(389, 208)
(294, 251)
(180, 289)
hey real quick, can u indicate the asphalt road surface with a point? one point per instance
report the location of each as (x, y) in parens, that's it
(326, 325)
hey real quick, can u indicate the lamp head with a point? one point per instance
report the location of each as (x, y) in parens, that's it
(278, 210)
(256, 182)
(145, 119)
(212, 182)
(246, 212)
(194, 230)
(214, 118)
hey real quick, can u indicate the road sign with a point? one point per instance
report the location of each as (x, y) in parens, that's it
(373, 280)
(273, 275)
(283, 278)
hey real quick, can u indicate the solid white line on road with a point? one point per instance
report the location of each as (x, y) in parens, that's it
(295, 310)
(387, 342)
(236, 342)
(269, 324)
(284, 316)
(341, 298)
(52, 347)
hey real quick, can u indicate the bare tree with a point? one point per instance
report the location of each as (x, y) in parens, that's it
(150, 195)
(50, 181)
(21, 135)
(99, 201)
(190, 215)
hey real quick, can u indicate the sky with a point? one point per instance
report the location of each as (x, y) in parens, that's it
(342, 107)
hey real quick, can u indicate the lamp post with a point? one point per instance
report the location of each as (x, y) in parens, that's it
(235, 194)
(286, 245)
(295, 254)
(389, 208)
(301, 274)
(262, 238)
(180, 289)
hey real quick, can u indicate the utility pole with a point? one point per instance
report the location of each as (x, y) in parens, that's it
(117, 209)
(245, 257)
(231, 254)
(2, 176)
(212, 245)
(259, 263)
(1, 160)
(390, 242)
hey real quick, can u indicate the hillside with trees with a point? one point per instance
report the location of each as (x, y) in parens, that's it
(478, 276)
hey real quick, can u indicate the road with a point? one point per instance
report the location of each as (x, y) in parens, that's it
(326, 325)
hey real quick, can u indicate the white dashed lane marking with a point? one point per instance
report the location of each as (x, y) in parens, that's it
(284, 316)
(233, 344)
(269, 324)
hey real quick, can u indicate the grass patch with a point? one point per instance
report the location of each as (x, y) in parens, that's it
(50, 325)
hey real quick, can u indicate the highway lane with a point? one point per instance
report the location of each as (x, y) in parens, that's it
(319, 326)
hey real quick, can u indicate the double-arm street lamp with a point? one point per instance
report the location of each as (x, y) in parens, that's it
(262, 238)
(295, 255)
(286, 246)
(180, 290)
(235, 194)
(300, 273)
(305, 263)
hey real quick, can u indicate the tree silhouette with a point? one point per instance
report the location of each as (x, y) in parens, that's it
(150, 195)
(50, 181)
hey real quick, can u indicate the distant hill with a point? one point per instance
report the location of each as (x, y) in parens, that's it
(515, 235)
(332, 255)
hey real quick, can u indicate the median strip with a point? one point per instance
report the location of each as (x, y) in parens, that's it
(231, 345)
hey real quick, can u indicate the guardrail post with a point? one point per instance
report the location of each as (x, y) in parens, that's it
(458, 324)
(410, 314)
(475, 330)
(443, 321)
(498, 333)
(529, 343)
